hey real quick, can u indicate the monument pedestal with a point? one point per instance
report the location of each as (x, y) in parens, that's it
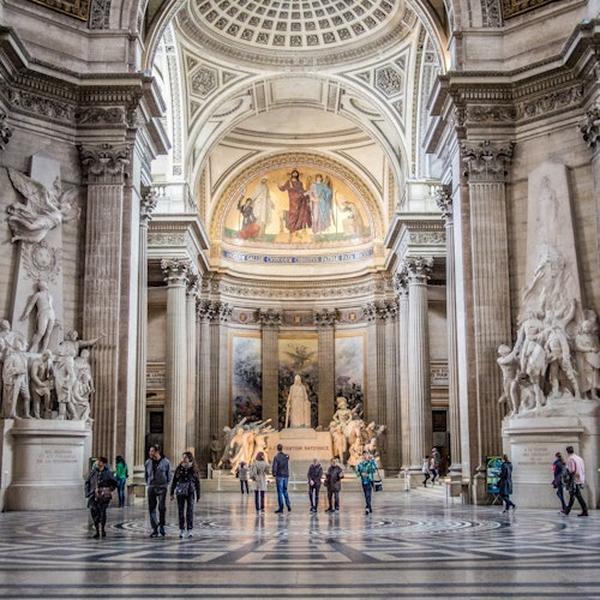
(48, 464)
(532, 440)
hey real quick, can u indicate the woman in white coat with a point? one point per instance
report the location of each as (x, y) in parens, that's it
(258, 474)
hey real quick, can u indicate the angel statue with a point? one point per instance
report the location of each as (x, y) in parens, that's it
(42, 210)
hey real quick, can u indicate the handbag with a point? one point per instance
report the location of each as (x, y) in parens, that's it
(377, 483)
(183, 488)
(103, 494)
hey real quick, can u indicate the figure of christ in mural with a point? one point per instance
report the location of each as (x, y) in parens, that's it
(298, 216)
(321, 203)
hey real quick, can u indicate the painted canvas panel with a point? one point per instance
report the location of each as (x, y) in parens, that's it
(303, 205)
(298, 355)
(350, 368)
(246, 377)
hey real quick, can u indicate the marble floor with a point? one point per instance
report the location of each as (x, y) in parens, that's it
(412, 546)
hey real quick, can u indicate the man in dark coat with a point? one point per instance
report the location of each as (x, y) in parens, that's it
(505, 483)
(281, 471)
(333, 483)
(315, 473)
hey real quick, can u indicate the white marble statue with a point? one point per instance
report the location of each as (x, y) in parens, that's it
(42, 301)
(63, 370)
(338, 442)
(587, 346)
(43, 209)
(15, 379)
(297, 413)
(243, 442)
(509, 367)
(7, 338)
(83, 387)
(42, 385)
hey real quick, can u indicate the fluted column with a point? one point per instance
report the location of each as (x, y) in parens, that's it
(418, 271)
(590, 129)
(404, 390)
(224, 402)
(270, 320)
(205, 311)
(191, 297)
(105, 168)
(369, 314)
(486, 172)
(147, 206)
(325, 321)
(389, 314)
(443, 199)
(176, 272)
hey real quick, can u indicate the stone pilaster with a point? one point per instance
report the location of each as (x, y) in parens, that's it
(270, 320)
(325, 321)
(590, 129)
(176, 272)
(418, 271)
(224, 402)
(147, 205)
(443, 197)
(205, 311)
(5, 131)
(486, 173)
(105, 168)
(190, 302)
(369, 314)
(404, 389)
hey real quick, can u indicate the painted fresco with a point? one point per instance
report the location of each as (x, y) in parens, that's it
(246, 378)
(350, 369)
(299, 355)
(304, 205)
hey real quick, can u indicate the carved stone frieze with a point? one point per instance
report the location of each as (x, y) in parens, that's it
(427, 238)
(176, 270)
(590, 127)
(550, 102)
(5, 131)
(443, 199)
(490, 114)
(490, 10)
(268, 317)
(326, 317)
(486, 161)
(99, 14)
(80, 9)
(53, 109)
(418, 269)
(105, 163)
(95, 116)
(166, 239)
(512, 8)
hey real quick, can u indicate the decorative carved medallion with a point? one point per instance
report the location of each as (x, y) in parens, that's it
(42, 261)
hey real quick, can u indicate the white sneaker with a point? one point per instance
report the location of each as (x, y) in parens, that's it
(190, 534)
(181, 532)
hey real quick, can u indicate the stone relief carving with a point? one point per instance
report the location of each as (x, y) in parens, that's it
(243, 442)
(486, 160)
(5, 131)
(42, 261)
(80, 9)
(443, 199)
(105, 161)
(590, 126)
(52, 109)
(42, 302)
(512, 8)
(555, 100)
(587, 347)
(203, 81)
(491, 113)
(43, 210)
(389, 80)
(99, 14)
(148, 203)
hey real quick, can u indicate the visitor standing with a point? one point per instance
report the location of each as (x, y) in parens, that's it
(259, 470)
(121, 475)
(186, 486)
(281, 472)
(505, 485)
(99, 487)
(315, 474)
(333, 483)
(576, 468)
(559, 472)
(366, 470)
(158, 475)
(242, 473)
(425, 470)
(433, 469)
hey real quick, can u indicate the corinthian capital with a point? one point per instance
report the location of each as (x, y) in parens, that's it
(193, 283)
(176, 271)
(418, 270)
(268, 317)
(590, 127)
(326, 318)
(5, 131)
(105, 163)
(486, 161)
(443, 199)
(148, 203)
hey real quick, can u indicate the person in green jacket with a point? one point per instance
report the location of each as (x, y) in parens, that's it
(366, 470)
(121, 475)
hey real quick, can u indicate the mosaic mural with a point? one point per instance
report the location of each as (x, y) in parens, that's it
(245, 377)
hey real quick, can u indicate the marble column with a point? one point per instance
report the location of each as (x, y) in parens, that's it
(270, 320)
(224, 406)
(205, 313)
(147, 206)
(369, 314)
(590, 129)
(325, 322)
(392, 399)
(443, 199)
(486, 172)
(106, 170)
(176, 273)
(190, 304)
(418, 271)
(402, 288)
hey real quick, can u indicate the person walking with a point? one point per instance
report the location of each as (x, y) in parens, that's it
(315, 474)
(433, 469)
(121, 475)
(333, 483)
(259, 470)
(157, 475)
(242, 473)
(281, 472)
(99, 487)
(576, 469)
(560, 473)
(425, 470)
(505, 485)
(366, 470)
(186, 486)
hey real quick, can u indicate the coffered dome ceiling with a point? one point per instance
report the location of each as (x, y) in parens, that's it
(281, 32)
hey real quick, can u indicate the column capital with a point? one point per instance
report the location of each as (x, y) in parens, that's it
(325, 317)
(590, 126)
(268, 317)
(175, 270)
(388, 309)
(105, 163)
(193, 283)
(5, 131)
(225, 311)
(418, 270)
(369, 312)
(486, 161)
(443, 198)
(148, 203)
(401, 282)
(206, 310)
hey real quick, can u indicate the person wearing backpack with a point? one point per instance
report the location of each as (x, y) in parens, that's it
(365, 471)
(560, 475)
(186, 486)
(121, 475)
(99, 487)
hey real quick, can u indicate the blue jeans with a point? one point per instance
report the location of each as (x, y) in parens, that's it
(282, 492)
(121, 491)
(368, 492)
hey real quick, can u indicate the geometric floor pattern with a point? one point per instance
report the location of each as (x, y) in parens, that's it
(412, 546)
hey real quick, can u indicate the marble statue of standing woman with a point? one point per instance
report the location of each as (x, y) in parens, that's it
(297, 412)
